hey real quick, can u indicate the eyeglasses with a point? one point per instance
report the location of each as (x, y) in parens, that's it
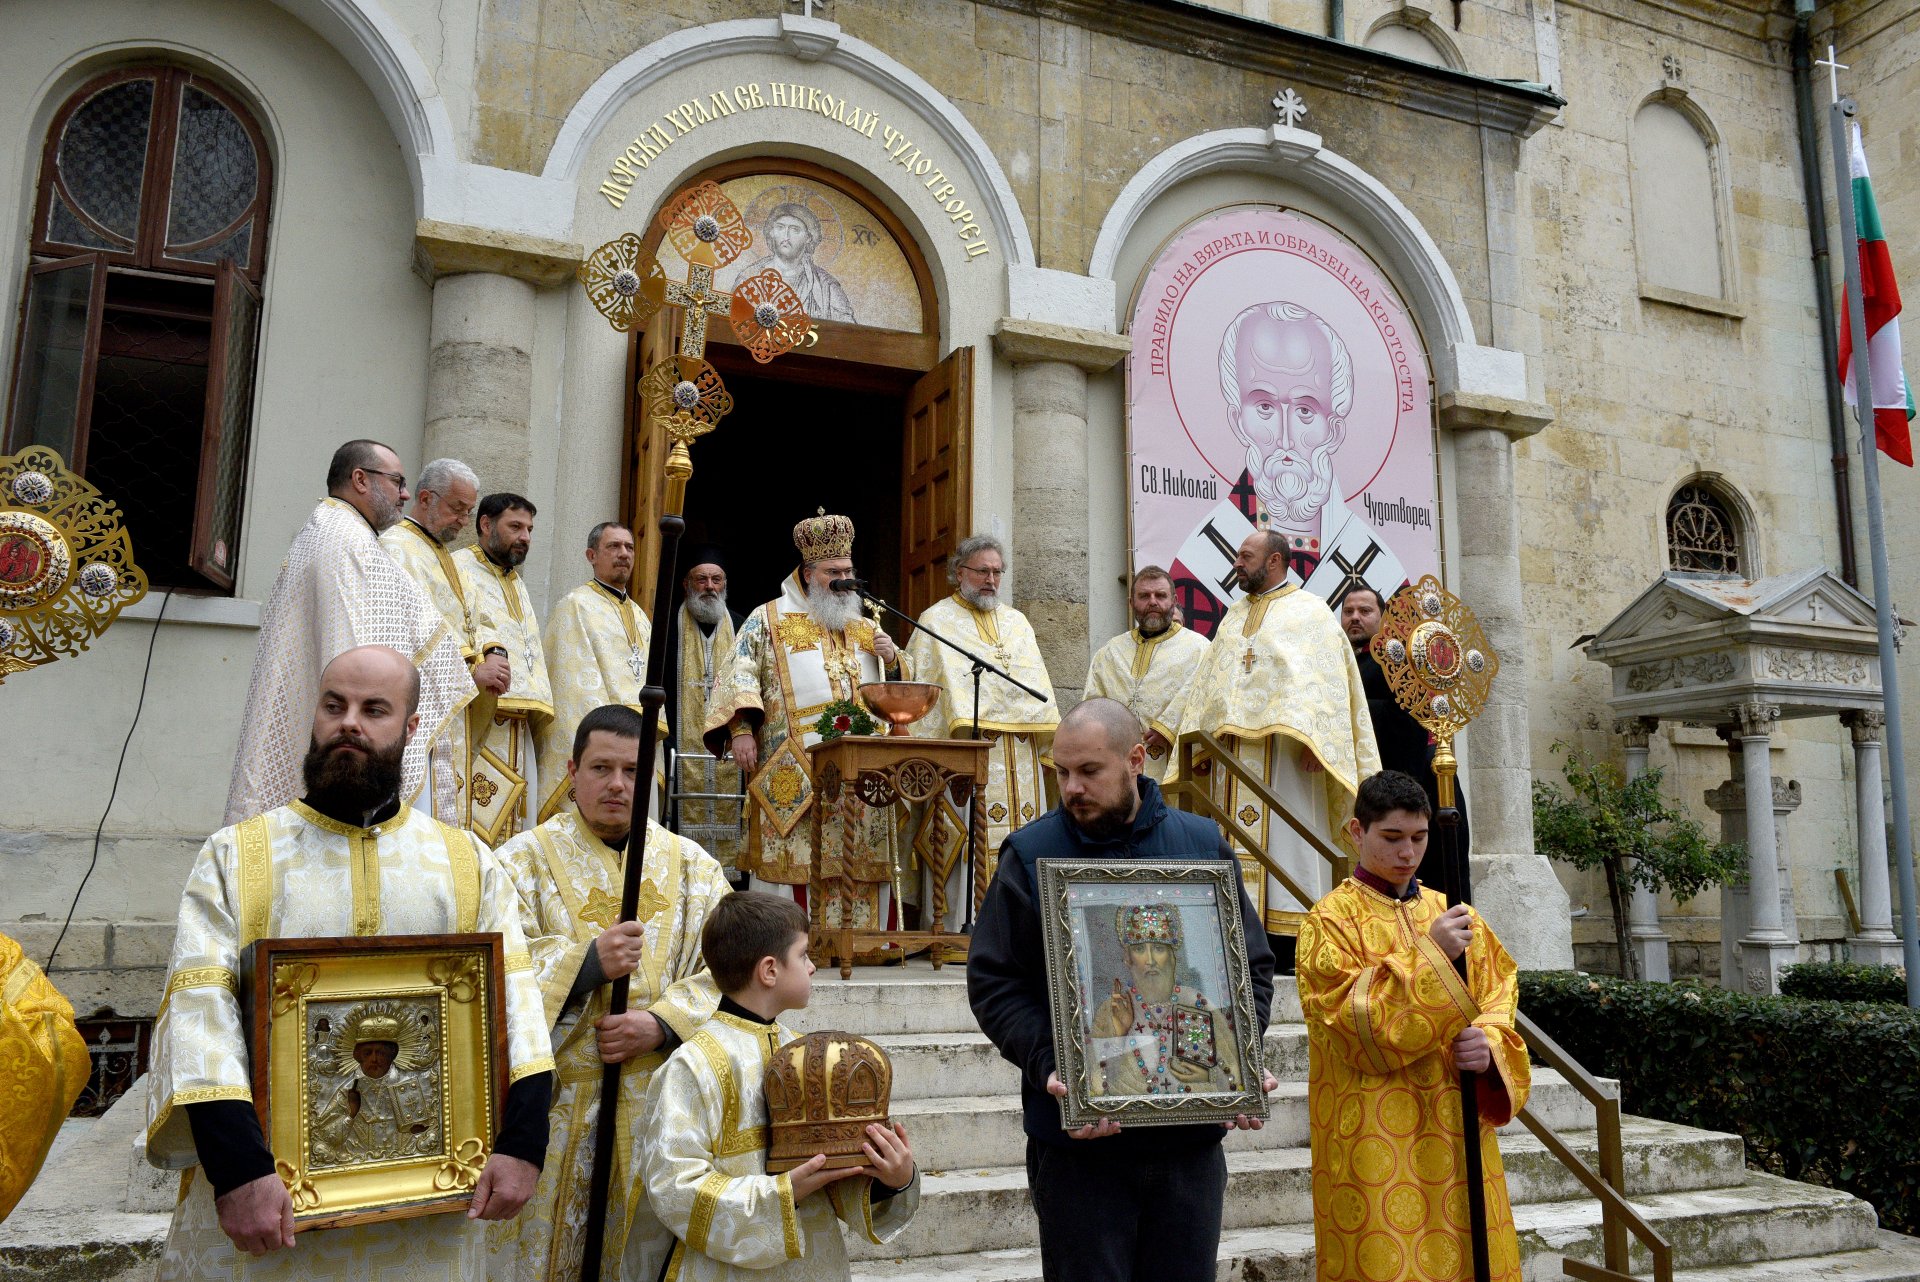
(993, 573)
(398, 478)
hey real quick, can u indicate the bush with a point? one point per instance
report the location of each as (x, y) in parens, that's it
(1846, 982)
(1821, 1091)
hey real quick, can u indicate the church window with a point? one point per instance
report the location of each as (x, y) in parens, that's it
(136, 354)
(1678, 214)
(1703, 535)
(1417, 42)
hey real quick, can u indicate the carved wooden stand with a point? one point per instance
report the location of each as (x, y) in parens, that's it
(858, 771)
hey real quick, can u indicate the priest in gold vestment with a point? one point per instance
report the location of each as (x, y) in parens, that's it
(421, 544)
(1279, 687)
(339, 589)
(1019, 726)
(569, 881)
(346, 860)
(596, 646)
(43, 1069)
(796, 654)
(1389, 1024)
(700, 649)
(506, 783)
(1147, 666)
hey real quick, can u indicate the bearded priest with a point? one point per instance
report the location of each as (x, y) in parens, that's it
(1147, 666)
(349, 859)
(569, 880)
(1279, 687)
(701, 649)
(506, 781)
(338, 588)
(795, 655)
(1019, 726)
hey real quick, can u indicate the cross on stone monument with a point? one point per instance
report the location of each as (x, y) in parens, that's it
(1813, 608)
(1289, 107)
(1671, 66)
(1833, 71)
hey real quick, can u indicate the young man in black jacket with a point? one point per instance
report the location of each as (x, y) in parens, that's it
(1113, 1204)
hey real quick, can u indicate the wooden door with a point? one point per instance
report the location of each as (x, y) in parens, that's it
(936, 478)
(644, 490)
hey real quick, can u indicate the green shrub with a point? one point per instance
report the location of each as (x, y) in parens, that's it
(1822, 1091)
(1846, 982)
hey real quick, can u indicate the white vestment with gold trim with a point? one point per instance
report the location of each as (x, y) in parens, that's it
(703, 658)
(596, 648)
(569, 884)
(339, 589)
(294, 873)
(506, 779)
(706, 1171)
(1146, 674)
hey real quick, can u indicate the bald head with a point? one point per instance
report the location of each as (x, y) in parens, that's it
(1113, 720)
(1097, 760)
(366, 713)
(374, 671)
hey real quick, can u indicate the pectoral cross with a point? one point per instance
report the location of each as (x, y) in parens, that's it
(699, 298)
(636, 662)
(1246, 661)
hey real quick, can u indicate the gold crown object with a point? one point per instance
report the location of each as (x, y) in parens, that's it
(823, 537)
(1147, 923)
(823, 1091)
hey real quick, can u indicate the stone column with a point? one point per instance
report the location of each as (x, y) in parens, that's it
(1051, 364)
(1764, 943)
(1514, 887)
(1644, 936)
(1875, 943)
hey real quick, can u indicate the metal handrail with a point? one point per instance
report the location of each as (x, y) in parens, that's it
(1618, 1217)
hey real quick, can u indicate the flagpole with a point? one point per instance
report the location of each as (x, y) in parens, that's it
(1840, 113)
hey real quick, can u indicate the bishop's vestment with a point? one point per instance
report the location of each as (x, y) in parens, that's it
(699, 658)
(1019, 726)
(569, 884)
(786, 669)
(1382, 1005)
(43, 1069)
(506, 780)
(295, 873)
(1279, 688)
(706, 1170)
(339, 589)
(1146, 674)
(596, 649)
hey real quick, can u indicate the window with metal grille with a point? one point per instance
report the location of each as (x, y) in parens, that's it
(1702, 532)
(137, 336)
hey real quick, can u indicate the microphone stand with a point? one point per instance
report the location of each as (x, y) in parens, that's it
(980, 668)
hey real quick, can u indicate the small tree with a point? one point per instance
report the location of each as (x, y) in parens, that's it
(1633, 834)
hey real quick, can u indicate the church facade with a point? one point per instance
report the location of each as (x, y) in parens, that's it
(1557, 253)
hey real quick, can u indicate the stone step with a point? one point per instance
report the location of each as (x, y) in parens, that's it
(967, 1132)
(984, 1209)
(926, 1065)
(1717, 1236)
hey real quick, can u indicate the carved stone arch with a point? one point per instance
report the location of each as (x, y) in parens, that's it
(1421, 24)
(1669, 189)
(1697, 501)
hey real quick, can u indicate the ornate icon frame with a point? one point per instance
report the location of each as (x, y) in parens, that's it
(1151, 879)
(463, 976)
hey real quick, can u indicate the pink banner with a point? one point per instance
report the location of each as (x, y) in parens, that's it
(1277, 382)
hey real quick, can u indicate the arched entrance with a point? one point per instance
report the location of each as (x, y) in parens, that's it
(868, 418)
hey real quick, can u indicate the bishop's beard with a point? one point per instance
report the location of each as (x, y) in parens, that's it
(352, 783)
(832, 610)
(708, 607)
(1293, 493)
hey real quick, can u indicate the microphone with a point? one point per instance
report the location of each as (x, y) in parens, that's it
(846, 585)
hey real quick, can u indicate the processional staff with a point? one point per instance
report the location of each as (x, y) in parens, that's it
(684, 397)
(1437, 662)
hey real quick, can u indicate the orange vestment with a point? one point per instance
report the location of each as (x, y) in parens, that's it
(1382, 1006)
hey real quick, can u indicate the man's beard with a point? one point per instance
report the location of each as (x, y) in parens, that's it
(506, 555)
(350, 783)
(1293, 494)
(1253, 581)
(448, 531)
(385, 511)
(980, 598)
(832, 610)
(1107, 823)
(1153, 622)
(709, 607)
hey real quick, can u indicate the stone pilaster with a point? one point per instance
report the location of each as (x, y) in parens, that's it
(1644, 936)
(1875, 941)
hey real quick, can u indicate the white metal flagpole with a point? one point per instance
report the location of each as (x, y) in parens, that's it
(1841, 112)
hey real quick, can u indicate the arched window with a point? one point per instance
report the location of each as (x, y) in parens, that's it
(1679, 222)
(136, 352)
(1703, 533)
(1418, 42)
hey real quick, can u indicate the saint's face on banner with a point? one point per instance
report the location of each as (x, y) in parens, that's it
(1277, 382)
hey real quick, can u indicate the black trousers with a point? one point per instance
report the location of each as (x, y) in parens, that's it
(1125, 1216)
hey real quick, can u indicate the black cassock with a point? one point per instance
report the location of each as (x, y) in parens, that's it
(1406, 746)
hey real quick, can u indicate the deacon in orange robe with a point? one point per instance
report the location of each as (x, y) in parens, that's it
(1389, 1024)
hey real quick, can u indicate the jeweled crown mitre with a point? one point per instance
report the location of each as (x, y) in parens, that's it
(1147, 923)
(823, 537)
(823, 1091)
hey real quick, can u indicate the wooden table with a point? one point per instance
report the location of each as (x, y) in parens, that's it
(854, 772)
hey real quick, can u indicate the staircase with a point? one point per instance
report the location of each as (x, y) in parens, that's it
(960, 1104)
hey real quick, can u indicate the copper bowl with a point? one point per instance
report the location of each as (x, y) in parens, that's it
(901, 702)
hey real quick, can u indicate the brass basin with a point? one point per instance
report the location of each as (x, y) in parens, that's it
(900, 702)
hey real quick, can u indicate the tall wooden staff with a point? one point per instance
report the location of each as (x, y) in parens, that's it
(1440, 667)
(685, 398)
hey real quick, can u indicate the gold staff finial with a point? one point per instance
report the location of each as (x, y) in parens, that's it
(1438, 664)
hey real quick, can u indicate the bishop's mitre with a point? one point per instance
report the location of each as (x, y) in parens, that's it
(823, 1091)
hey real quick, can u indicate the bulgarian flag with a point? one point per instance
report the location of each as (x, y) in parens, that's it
(1880, 296)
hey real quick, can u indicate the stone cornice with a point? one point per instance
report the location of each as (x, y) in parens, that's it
(1026, 342)
(448, 249)
(1461, 411)
(1305, 60)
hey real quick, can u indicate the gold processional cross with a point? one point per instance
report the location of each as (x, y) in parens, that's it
(1438, 664)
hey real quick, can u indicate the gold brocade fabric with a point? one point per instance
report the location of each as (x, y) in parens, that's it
(596, 653)
(506, 609)
(1016, 794)
(429, 563)
(705, 1163)
(43, 1069)
(294, 873)
(506, 782)
(569, 884)
(339, 589)
(1382, 1005)
(702, 660)
(1146, 674)
(1002, 636)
